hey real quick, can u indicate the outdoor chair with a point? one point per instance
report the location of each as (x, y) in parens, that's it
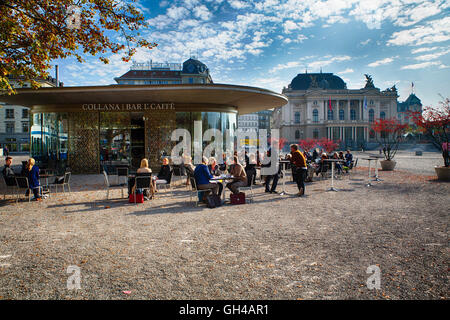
(7, 190)
(179, 171)
(122, 172)
(65, 183)
(165, 183)
(194, 191)
(247, 187)
(112, 186)
(142, 182)
(22, 185)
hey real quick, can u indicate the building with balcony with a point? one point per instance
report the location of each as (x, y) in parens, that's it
(15, 119)
(320, 105)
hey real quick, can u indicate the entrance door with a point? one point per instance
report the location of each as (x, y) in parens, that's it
(137, 139)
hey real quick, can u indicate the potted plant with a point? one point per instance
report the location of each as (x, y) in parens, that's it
(435, 124)
(389, 135)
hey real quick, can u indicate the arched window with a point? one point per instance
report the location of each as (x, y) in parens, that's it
(371, 115)
(297, 117)
(352, 114)
(382, 115)
(372, 134)
(316, 133)
(297, 134)
(330, 114)
(341, 114)
(315, 115)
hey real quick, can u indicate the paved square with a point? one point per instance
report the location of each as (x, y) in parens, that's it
(280, 247)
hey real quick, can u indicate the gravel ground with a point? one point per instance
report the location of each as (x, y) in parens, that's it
(408, 161)
(280, 247)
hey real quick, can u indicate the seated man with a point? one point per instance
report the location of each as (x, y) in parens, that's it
(348, 159)
(8, 173)
(202, 177)
(240, 177)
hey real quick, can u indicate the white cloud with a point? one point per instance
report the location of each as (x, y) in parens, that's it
(422, 65)
(202, 13)
(381, 62)
(431, 32)
(431, 56)
(237, 4)
(348, 70)
(424, 49)
(366, 42)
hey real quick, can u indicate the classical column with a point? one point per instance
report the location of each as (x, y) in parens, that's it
(348, 110)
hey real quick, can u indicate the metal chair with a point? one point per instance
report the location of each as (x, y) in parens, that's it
(22, 184)
(7, 189)
(111, 186)
(248, 187)
(165, 183)
(122, 172)
(142, 182)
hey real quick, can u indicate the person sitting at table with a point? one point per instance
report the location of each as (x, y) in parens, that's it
(323, 165)
(348, 159)
(269, 177)
(164, 174)
(341, 155)
(189, 167)
(250, 170)
(203, 176)
(299, 168)
(337, 165)
(8, 172)
(144, 170)
(239, 175)
(315, 155)
(213, 167)
(223, 166)
(33, 179)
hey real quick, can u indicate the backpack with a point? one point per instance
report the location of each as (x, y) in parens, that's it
(213, 201)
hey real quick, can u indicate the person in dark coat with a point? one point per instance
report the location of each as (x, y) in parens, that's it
(275, 177)
(8, 172)
(33, 179)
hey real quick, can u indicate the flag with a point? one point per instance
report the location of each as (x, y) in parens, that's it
(365, 103)
(412, 84)
(329, 105)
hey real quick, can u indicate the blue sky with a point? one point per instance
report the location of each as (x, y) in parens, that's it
(267, 43)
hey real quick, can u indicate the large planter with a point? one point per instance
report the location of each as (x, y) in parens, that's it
(443, 173)
(387, 165)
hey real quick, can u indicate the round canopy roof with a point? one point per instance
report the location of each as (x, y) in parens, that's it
(244, 99)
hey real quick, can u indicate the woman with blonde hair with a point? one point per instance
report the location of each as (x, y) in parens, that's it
(144, 170)
(33, 178)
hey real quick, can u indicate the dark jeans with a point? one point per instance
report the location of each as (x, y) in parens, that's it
(251, 176)
(35, 192)
(275, 178)
(299, 177)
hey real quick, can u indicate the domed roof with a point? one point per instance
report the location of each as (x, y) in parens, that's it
(304, 81)
(194, 66)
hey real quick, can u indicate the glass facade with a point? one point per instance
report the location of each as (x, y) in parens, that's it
(109, 139)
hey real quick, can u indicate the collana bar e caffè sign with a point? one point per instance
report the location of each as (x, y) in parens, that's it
(127, 106)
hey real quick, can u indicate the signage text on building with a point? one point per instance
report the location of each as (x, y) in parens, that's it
(127, 106)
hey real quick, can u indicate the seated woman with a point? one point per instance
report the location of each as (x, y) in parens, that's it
(164, 175)
(338, 166)
(323, 165)
(240, 177)
(33, 179)
(189, 167)
(203, 176)
(214, 170)
(144, 170)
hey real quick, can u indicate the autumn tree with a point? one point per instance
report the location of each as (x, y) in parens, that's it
(434, 123)
(389, 135)
(33, 33)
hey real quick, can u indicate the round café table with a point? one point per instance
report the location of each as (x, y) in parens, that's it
(369, 184)
(222, 178)
(376, 167)
(333, 165)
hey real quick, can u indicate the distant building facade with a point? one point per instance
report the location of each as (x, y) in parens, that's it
(320, 105)
(192, 71)
(15, 119)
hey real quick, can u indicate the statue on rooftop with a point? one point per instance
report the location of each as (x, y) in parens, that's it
(369, 82)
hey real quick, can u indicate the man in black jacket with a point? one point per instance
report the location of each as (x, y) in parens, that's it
(8, 173)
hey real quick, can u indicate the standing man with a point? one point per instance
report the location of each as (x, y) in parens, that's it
(269, 177)
(299, 168)
(8, 173)
(5, 150)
